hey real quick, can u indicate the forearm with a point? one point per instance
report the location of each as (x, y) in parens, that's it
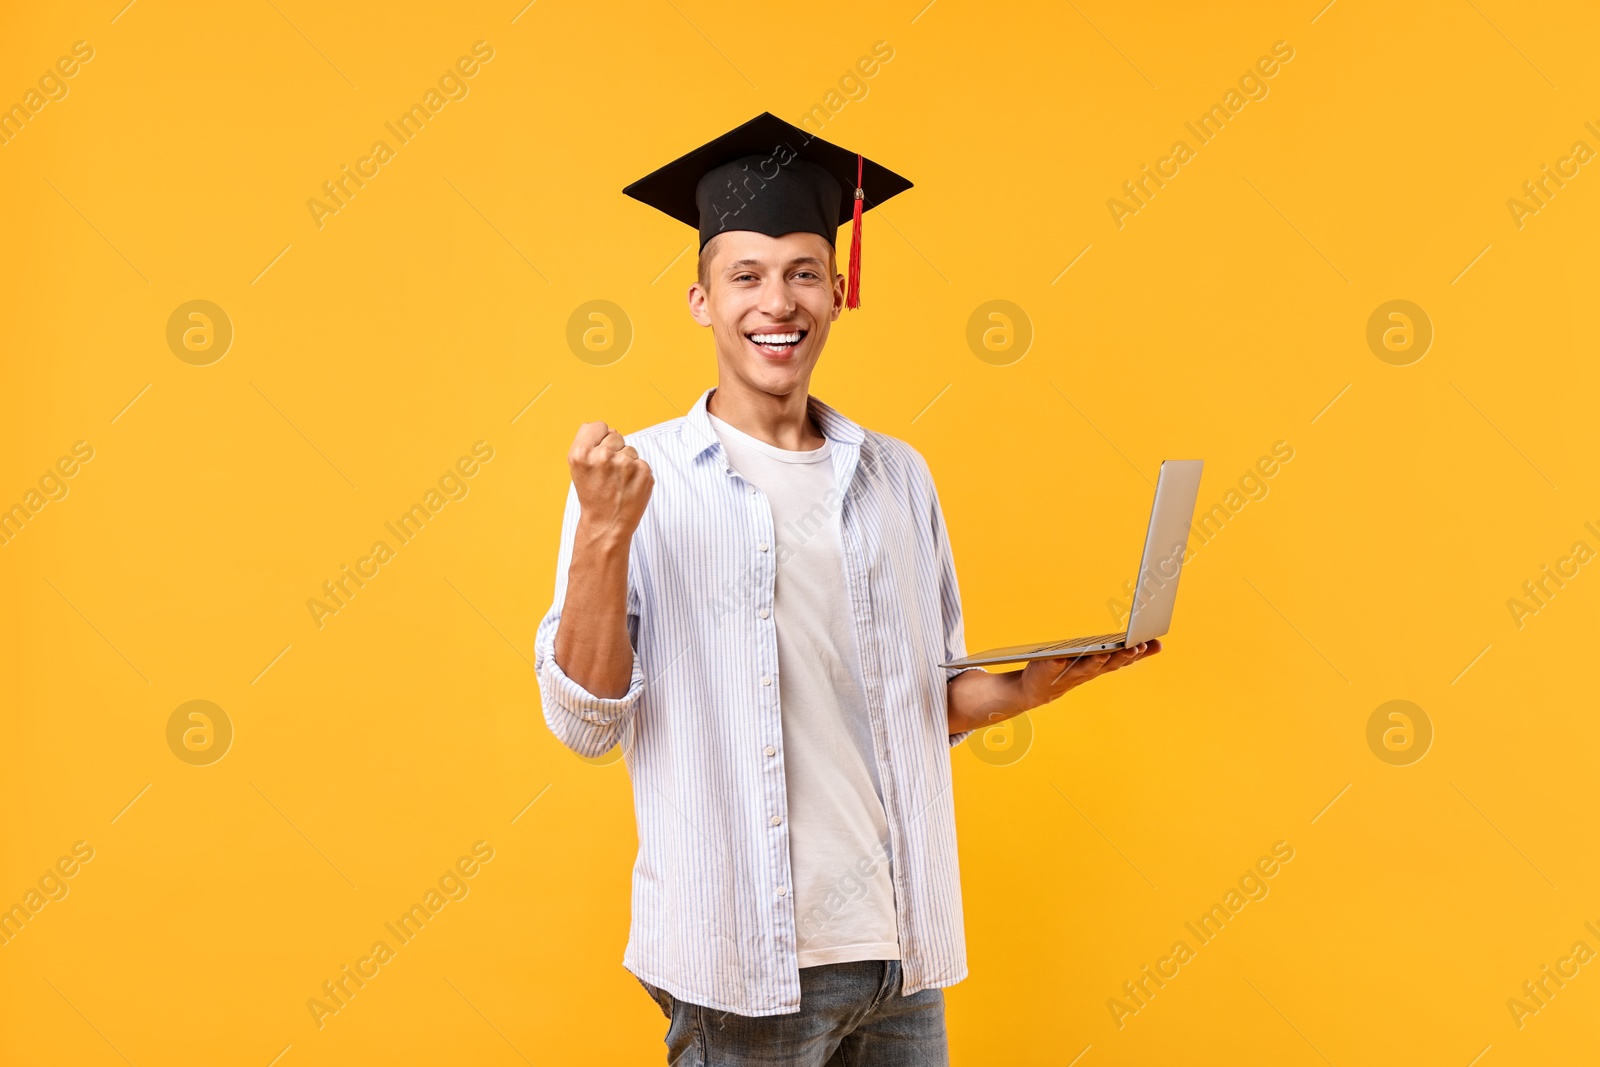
(592, 645)
(975, 699)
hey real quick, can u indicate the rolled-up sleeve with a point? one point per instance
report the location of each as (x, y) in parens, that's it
(955, 640)
(585, 723)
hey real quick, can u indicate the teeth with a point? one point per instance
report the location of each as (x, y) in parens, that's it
(775, 338)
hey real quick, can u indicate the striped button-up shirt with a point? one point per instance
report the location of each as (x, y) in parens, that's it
(700, 725)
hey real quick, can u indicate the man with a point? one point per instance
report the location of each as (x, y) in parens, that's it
(753, 600)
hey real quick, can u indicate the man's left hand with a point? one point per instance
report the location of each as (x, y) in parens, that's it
(1044, 680)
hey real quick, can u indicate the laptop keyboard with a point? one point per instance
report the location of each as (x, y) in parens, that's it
(1080, 642)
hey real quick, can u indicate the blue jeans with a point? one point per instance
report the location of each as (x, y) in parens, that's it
(851, 1014)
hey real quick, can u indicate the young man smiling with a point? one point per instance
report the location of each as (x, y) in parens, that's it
(753, 600)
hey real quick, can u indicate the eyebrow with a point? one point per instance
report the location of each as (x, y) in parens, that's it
(743, 263)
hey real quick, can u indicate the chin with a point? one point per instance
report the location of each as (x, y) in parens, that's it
(779, 379)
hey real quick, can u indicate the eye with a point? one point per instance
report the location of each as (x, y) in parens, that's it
(746, 276)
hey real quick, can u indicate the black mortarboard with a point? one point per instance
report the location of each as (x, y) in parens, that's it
(773, 178)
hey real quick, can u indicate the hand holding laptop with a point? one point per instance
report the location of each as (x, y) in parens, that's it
(1044, 680)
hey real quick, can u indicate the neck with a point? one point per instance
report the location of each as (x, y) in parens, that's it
(780, 420)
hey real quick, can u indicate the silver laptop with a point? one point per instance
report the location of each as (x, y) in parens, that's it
(1157, 587)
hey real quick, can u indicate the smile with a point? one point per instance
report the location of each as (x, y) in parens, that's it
(776, 344)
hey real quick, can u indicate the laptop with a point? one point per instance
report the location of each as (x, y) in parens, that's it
(1156, 589)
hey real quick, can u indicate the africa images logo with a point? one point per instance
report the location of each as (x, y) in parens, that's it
(1252, 86)
(1252, 886)
(452, 86)
(452, 885)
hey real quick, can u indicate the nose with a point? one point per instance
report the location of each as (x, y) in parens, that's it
(776, 299)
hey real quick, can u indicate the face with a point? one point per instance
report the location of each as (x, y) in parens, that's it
(769, 302)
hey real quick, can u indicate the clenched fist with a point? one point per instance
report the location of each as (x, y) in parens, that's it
(613, 483)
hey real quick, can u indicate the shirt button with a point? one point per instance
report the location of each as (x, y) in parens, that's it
(751, 488)
(762, 546)
(764, 613)
(776, 820)
(766, 680)
(771, 751)
(783, 891)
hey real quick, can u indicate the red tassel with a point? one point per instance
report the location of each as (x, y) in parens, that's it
(853, 293)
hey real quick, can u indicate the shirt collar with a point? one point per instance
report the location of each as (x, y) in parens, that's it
(698, 433)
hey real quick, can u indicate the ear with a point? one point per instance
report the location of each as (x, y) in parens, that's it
(839, 286)
(698, 301)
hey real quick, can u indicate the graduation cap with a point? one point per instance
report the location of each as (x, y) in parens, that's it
(773, 178)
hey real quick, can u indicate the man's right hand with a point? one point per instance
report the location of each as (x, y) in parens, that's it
(613, 483)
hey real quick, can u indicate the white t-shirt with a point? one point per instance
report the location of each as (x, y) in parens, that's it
(838, 835)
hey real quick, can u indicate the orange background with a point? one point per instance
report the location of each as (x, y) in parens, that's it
(431, 312)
